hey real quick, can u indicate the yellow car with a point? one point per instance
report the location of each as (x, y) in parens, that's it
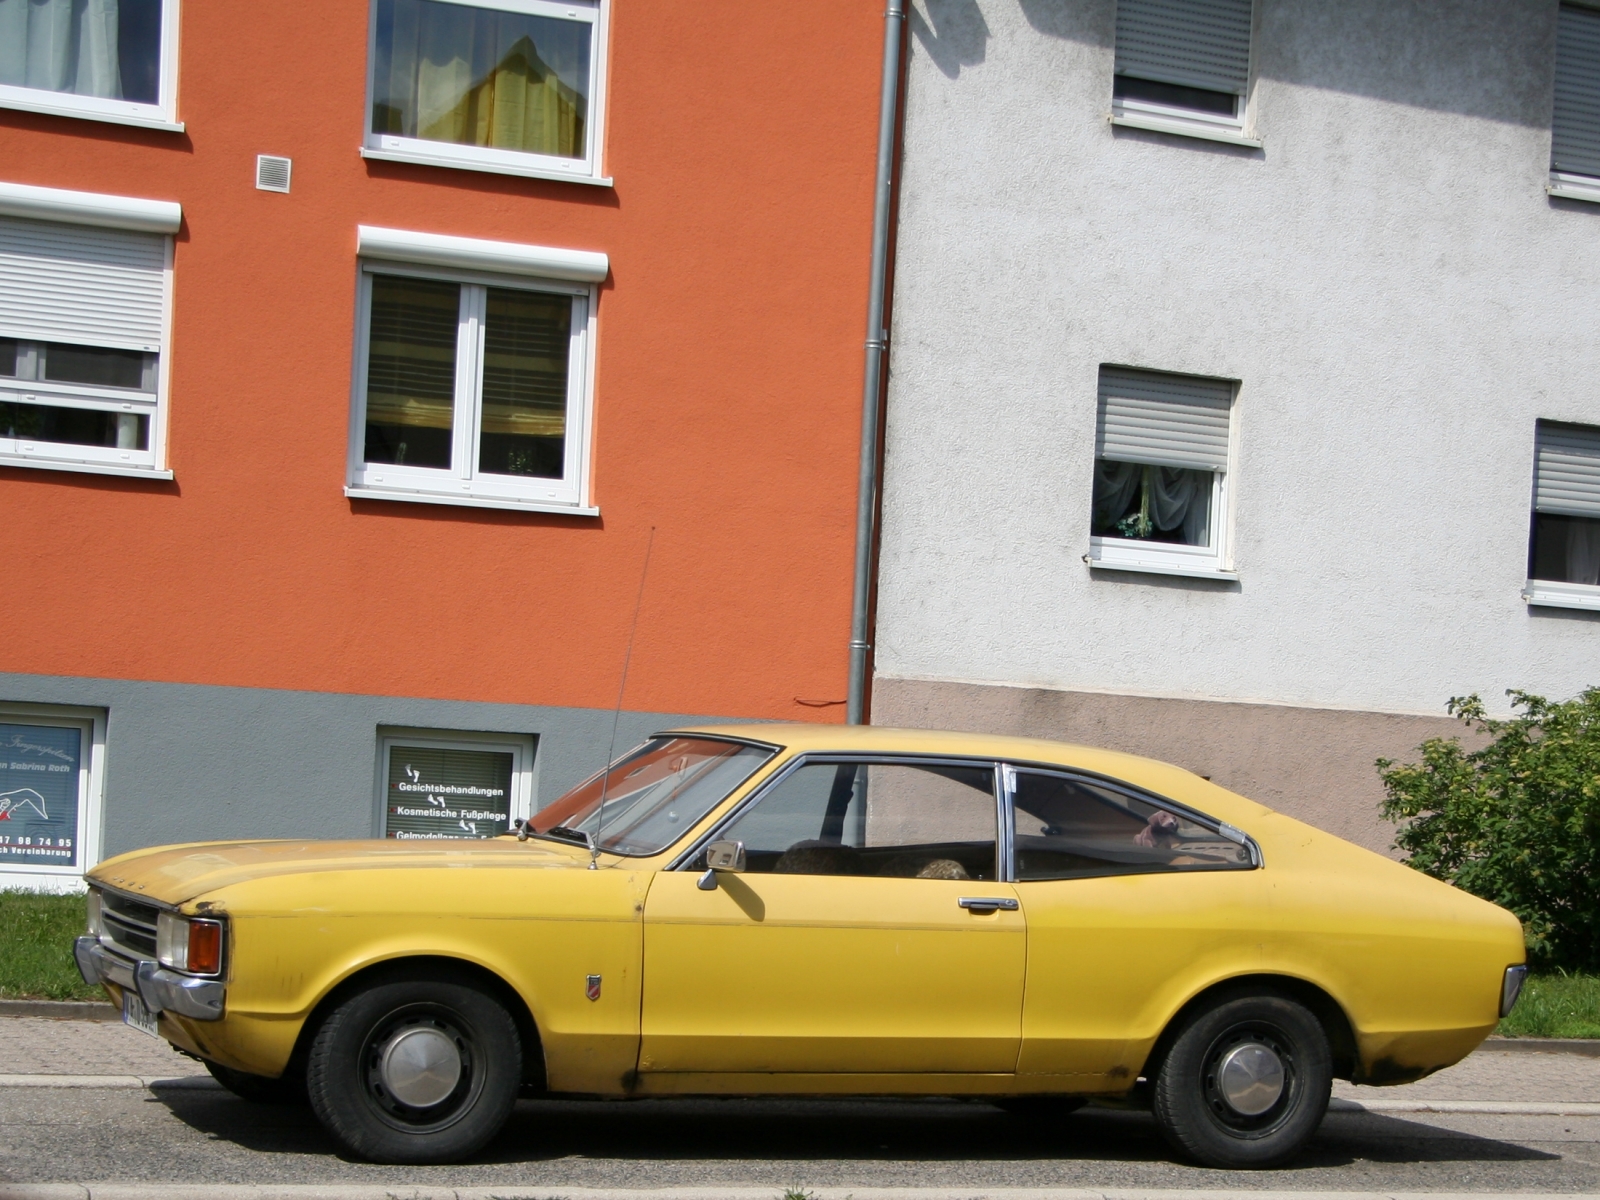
(815, 910)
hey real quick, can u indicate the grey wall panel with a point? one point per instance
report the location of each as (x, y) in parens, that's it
(186, 762)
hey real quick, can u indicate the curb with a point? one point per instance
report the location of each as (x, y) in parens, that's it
(61, 1010)
(268, 1191)
(1496, 1108)
(109, 1081)
(1585, 1046)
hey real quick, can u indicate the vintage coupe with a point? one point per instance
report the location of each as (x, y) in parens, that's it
(815, 910)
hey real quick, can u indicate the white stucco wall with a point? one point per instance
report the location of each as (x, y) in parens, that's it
(1387, 278)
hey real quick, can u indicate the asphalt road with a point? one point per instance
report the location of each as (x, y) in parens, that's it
(186, 1132)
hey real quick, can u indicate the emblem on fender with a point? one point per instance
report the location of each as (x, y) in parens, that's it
(593, 989)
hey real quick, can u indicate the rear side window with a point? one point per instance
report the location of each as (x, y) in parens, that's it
(1071, 828)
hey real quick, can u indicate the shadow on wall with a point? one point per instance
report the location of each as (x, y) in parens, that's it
(1491, 59)
(953, 34)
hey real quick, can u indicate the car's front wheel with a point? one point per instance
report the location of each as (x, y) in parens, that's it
(419, 1071)
(1245, 1083)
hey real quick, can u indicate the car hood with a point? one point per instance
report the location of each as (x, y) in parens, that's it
(175, 874)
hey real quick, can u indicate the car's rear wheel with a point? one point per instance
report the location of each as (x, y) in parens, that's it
(418, 1071)
(1245, 1083)
(258, 1089)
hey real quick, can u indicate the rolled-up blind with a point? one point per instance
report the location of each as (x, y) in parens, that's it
(1165, 420)
(1192, 43)
(1567, 469)
(1575, 125)
(78, 284)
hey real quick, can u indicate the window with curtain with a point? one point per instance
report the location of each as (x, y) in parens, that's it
(1185, 61)
(1564, 546)
(470, 388)
(1161, 456)
(1575, 121)
(82, 318)
(484, 84)
(96, 50)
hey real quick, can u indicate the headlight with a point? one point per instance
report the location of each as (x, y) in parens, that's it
(93, 927)
(1511, 988)
(189, 944)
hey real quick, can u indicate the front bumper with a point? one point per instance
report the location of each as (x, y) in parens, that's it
(160, 989)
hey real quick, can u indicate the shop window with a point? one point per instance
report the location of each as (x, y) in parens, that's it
(50, 773)
(440, 785)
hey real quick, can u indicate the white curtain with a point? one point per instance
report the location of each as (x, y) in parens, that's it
(60, 46)
(1583, 551)
(1172, 498)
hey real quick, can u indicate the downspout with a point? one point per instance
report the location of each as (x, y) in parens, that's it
(877, 343)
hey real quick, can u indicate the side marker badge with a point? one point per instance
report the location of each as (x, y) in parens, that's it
(593, 989)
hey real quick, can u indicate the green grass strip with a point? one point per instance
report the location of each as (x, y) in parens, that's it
(1556, 1006)
(36, 933)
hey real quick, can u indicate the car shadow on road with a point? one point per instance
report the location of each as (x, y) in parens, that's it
(863, 1132)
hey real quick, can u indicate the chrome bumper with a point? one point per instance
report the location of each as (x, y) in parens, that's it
(160, 989)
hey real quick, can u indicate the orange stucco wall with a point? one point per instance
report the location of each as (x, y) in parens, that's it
(741, 138)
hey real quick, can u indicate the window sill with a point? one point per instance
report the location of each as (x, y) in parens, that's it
(1549, 594)
(456, 164)
(57, 109)
(1574, 187)
(499, 502)
(1177, 125)
(1147, 568)
(88, 468)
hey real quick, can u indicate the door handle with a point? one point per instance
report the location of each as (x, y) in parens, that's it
(987, 904)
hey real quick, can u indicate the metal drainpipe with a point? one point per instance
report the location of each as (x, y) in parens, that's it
(877, 343)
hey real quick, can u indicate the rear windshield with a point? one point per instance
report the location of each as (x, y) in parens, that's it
(652, 795)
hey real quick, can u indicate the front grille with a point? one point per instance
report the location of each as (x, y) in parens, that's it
(128, 925)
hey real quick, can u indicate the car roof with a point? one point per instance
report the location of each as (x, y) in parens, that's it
(814, 738)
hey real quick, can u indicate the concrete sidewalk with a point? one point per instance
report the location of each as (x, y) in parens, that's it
(40, 1051)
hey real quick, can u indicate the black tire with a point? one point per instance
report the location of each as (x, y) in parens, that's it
(1194, 1113)
(347, 1085)
(259, 1089)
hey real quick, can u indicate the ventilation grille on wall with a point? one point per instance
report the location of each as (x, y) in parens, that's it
(272, 173)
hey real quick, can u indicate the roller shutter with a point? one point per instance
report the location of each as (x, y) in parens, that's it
(1575, 126)
(1165, 420)
(1192, 43)
(84, 285)
(1567, 470)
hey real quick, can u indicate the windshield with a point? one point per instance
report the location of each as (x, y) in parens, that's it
(653, 795)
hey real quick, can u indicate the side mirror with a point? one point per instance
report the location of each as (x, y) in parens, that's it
(725, 856)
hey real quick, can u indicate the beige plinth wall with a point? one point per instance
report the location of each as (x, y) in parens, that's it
(1314, 764)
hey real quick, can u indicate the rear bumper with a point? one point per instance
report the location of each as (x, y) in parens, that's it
(160, 989)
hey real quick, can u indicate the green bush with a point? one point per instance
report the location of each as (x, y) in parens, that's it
(1516, 821)
(36, 948)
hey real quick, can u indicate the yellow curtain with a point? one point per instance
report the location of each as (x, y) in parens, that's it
(520, 105)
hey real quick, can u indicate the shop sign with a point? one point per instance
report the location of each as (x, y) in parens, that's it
(440, 793)
(39, 773)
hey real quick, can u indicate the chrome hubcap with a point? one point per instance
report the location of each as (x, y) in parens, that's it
(1251, 1078)
(420, 1066)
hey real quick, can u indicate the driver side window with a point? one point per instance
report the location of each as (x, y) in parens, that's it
(910, 821)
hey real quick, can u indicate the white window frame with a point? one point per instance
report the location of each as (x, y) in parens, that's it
(1237, 130)
(1212, 561)
(523, 748)
(160, 115)
(394, 148)
(461, 484)
(1556, 593)
(91, 722)
(110, 212)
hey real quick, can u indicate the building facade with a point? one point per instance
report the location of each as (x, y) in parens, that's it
(1246, 394)
(384, 381)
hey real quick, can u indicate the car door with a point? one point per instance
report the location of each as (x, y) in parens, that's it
(1128, 898)
(866, 934)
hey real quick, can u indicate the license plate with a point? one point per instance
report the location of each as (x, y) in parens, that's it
(136, 1014)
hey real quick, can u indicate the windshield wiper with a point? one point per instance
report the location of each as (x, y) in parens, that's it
(560, 833)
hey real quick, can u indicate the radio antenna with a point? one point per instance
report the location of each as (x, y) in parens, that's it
(611, 751)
